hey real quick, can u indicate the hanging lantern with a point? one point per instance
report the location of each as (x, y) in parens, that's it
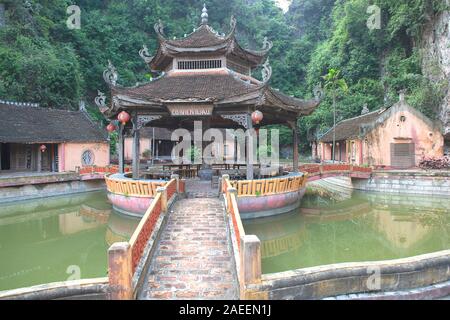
(257, 116)
(111, 128)
(42, 148)
(123, 117)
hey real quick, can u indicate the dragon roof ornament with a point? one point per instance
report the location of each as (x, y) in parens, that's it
(100, 101)
(110, 74)
(267, 44)
(145, 54)
(266, 72)
(318, 92)
(159, 29)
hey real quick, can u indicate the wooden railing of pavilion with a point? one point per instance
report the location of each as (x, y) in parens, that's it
(247, 248)
(127, 261)
(133, 188)
(263, 187)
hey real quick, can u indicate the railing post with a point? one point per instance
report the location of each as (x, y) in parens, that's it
(120, 271)
(250, 259)
(225, 177)
(176, 177)
(230, 191)
(163, 191)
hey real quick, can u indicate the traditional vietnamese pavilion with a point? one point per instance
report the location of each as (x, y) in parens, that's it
(204, 76)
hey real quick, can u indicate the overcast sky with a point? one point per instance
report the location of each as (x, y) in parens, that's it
(284, 4)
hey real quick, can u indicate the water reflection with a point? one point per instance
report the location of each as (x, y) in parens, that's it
(42, 240)
(367, 227)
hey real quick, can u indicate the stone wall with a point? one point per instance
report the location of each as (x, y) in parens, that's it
(434, 183)
(350, 278)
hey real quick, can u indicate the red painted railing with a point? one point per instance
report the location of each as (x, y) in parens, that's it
(314, 170)
(100, 170)
(143, 232)
(124, 268)
(233, 210)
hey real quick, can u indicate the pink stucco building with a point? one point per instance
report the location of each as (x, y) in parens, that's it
(34, 139)
(396, 137)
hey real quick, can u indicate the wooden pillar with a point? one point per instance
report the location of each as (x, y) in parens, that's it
(39, 159)
(135, 149)
(120, 271)
(121, 149)
(295, 133)
(250, 147)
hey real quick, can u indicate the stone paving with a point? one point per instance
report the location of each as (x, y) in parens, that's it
(200, 189)
(193, 259)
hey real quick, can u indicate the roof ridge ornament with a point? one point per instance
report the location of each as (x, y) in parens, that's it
(318, 92)
(204, 15)
(110, 74)
(365, 109)
(145, 55)
(267, 44)
(159, 29)
(266, 71)
(100, 101)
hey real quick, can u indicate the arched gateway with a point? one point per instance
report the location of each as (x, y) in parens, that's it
(204, 76)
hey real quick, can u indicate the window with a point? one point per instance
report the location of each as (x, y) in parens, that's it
(199, 64)
(87, 158)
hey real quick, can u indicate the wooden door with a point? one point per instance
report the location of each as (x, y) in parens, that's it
(403, 155)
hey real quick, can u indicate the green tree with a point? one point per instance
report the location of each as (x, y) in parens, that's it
(334, 85)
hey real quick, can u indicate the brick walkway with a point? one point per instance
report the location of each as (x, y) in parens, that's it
(193, 259)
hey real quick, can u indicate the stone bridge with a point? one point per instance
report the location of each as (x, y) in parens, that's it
(321, 171)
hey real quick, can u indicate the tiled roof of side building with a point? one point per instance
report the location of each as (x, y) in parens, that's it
(25, 124)
(350, 128)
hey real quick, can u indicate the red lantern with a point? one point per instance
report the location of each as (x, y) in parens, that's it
(257, 116)
(43, 148)
(111, 128)
(123, 117)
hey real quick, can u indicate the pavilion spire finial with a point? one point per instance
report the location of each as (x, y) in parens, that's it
(204, 15)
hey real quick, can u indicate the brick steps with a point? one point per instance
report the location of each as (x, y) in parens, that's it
(193, 259)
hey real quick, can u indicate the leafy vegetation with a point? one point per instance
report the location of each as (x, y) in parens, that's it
(41, 60)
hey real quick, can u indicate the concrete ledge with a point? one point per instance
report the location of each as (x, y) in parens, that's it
(348, 278)
(80, 289)
(18, 179)
(436, 291)
(44, 190)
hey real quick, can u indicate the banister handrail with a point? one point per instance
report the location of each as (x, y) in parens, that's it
(125, 257)
(248, 260)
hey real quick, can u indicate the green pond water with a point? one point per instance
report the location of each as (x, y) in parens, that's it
(58, 239)
(366, 227)
(65, 238)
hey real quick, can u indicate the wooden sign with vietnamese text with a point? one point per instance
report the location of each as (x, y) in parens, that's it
(190, 110)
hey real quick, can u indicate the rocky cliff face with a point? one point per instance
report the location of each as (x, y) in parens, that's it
(436, 63)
